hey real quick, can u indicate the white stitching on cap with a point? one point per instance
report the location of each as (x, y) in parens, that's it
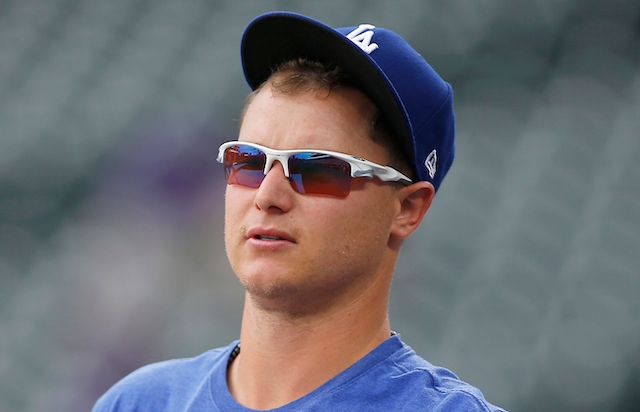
(362, 36)
(430, 162)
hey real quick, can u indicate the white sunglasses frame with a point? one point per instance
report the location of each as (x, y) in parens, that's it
(359, 167)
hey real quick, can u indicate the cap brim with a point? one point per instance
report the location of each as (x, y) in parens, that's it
(274, 38)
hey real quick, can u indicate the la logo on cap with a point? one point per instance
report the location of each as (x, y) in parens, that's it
(362, 36)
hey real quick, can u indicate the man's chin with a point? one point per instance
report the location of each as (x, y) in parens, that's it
(271, 290)
(283, 298)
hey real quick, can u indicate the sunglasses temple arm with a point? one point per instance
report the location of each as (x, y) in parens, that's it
(392, 175)
(386, 174)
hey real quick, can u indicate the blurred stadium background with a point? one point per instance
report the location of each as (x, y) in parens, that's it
(524, 280)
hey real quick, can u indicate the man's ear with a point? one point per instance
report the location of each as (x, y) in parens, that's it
(415, 200)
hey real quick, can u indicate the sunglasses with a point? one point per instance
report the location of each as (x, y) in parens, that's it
(320, 172)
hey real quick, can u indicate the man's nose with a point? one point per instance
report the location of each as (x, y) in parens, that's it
(275, 191)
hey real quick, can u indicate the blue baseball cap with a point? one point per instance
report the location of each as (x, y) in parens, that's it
(413, 98)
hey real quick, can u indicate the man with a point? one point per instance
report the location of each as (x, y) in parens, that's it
(313, 230)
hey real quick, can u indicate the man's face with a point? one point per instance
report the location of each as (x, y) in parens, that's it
(296, 252)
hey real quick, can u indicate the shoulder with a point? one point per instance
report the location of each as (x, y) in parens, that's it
(154, 387)
(402, 380)
(435, 386)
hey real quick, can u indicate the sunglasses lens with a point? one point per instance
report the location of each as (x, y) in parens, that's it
(244, 165)
(309, 173)
(316, 173)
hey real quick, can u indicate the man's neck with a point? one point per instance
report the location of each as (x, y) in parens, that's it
(284, 358)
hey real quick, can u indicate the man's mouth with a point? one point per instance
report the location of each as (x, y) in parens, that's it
(261, 237)
(269, 235)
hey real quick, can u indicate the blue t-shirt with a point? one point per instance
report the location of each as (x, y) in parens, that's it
(390, 378)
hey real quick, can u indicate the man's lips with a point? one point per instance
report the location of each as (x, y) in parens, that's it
(269, 235)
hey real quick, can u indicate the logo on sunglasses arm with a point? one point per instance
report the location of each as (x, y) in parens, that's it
(430, 163)
(362, 36)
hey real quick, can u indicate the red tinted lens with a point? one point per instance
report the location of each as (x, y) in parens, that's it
(317, 173)
(244, 165)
